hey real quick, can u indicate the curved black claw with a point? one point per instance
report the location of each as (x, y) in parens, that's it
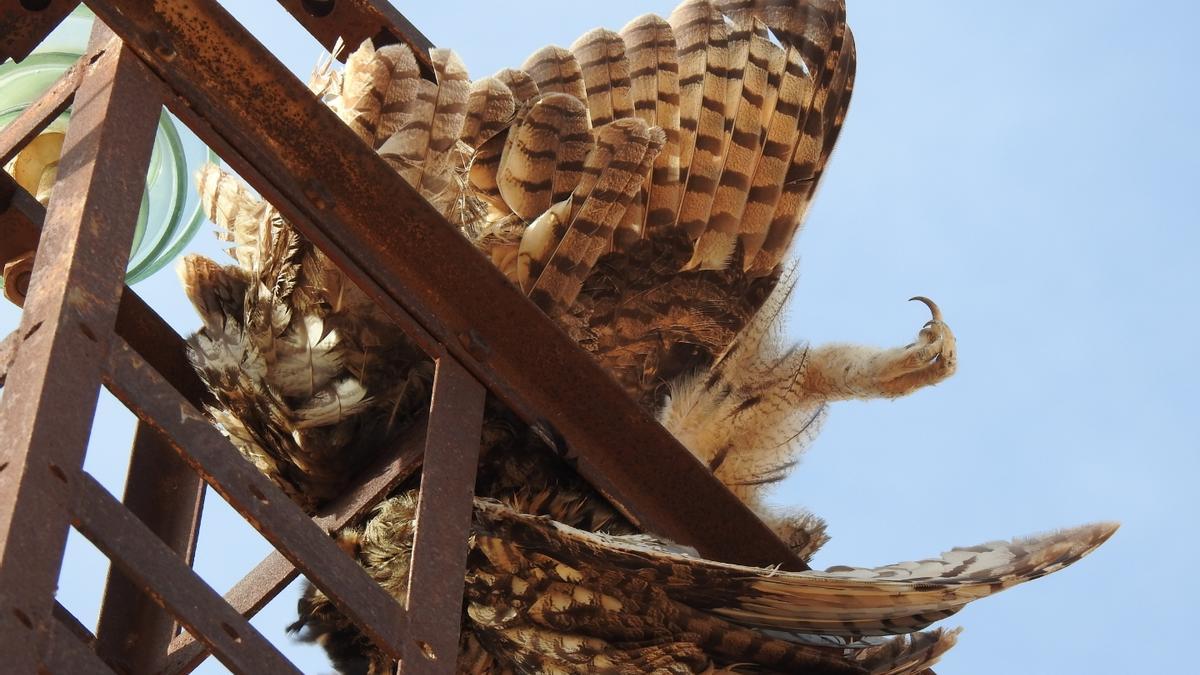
(933, 309)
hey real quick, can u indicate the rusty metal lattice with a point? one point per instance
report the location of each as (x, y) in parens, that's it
(81, 329)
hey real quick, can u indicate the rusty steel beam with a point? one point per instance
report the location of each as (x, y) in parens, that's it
(275, 572)
(51, 392)
(377, 229)
(25, 23)
(68, 620)
(33, 119)
(443, 526)
(67, 653)
(261, 503)
(167, 496)
(159, 571)
(21, 218)
(17, 234)
(8, 353)
(354, 21)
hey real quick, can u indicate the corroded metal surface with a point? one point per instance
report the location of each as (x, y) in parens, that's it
(154, 566)
(254, 496)
(384, 235)
(354, 21)
(439, 557)
(44, 110)
(167, 496)
(275, 572)
(25, 23)
(67, 653)
(8, 353)
(50, 393)
(21, 219)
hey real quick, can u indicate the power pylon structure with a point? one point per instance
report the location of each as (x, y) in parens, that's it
(81, 329)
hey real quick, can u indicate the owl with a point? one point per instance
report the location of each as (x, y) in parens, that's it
(642, 188)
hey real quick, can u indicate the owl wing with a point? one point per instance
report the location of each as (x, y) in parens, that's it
(845, 602)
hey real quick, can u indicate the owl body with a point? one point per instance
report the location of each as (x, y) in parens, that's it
(642, 188)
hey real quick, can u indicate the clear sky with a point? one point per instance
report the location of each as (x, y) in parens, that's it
(1030, 166)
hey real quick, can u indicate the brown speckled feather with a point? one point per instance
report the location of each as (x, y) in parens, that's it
(555, 69)
(520, 83)
(490, 110)
(420, 149)
(654, 74)
(544, 154)
(601, 57)
(625, 150)
(715, 247)
(702, 36)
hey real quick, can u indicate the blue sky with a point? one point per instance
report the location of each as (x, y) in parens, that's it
(1030, 166)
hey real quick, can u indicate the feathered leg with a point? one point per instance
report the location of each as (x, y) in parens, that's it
(842, 371)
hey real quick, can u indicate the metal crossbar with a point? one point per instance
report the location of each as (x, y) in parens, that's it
(82, 329)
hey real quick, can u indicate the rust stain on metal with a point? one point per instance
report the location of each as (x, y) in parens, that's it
(444, 505)
(167, 496)
(45, 109)
(146, 559)
(354, 21)
(101, 176)
(25, 24)
(275, 572)
(277, 518)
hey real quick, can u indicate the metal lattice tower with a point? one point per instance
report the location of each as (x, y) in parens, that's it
(82, 329)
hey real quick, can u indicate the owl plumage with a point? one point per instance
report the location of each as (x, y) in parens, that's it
(642, 188)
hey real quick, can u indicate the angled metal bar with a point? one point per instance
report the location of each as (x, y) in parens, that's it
(68, 654)
(354, 21)
(377, 229)
(24, 24)
(50, 393)
(68, 620)
(167, 496)
(35, 118)
(21, 218)
(8, 353)
(261, 503)
(275, 572)
(160, 572)
(439, 557)
(17, 236)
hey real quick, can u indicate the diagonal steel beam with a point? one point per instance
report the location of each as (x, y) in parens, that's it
(255, 497)
(39, 114)
(354, 21)
(275, 572)
(443, 526)
(346, 199)
(25, 23)
(167, 496)
(50, 393)
(157, 569)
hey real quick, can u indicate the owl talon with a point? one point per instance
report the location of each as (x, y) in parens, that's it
(928, 361)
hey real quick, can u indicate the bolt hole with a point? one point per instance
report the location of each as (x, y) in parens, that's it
(23, 618)
(318, 8)
(3, 467)
(231, 632)
(58, 472)
(162, 46)
(259, 495)
(35, 5)
(426, 650)
(87, 332)
(33, 330)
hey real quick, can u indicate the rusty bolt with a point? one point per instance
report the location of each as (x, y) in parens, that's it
(17, 273)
